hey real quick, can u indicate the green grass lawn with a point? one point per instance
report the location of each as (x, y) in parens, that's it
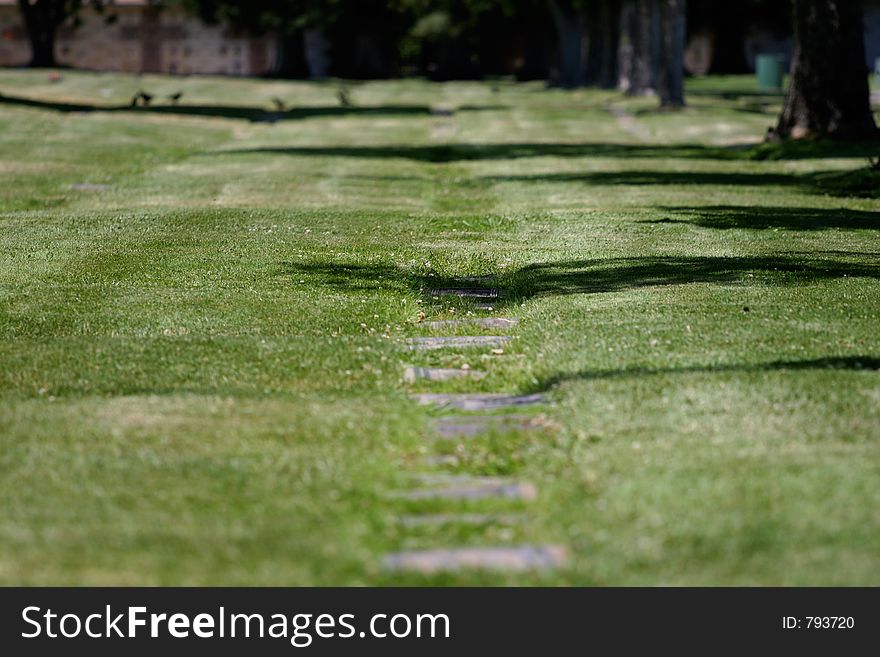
(202, 349)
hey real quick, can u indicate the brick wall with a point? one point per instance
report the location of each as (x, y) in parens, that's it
(144, 40)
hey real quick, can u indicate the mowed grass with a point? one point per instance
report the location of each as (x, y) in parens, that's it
(202, 349)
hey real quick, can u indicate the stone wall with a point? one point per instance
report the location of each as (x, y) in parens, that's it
(143, 40)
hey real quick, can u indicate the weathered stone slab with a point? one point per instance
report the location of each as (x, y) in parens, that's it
(473, 519)
(446, 478)
(450, 428)
(483, 322)
(515, 558)
(88, 187)
(411, 374)
(475, 488)
(458, 342)
(478, 402)
(439, 460)
(466, 292)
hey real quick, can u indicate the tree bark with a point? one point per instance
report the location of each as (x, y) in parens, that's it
(41, 19)
(828, 90)
(645, 45)
(316, 49)
(570, 31)
(602, 61)
(625, 47)
(670, 78)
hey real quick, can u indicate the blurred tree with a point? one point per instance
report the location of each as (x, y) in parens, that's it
(298, 23)
(603, 22)
(569, 17)
(646, 48)
(42, 18)
(670, 71)
(651, 52)
(828, 91)
(727, 24)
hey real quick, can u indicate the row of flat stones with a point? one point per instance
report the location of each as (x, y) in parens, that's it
(511, 558)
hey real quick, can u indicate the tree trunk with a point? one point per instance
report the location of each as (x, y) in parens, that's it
(670, 78)
(570, 31)
(316, 50)
(41, 19)
(625, 47)
(645, 44)
(828, 90)
(604, 27)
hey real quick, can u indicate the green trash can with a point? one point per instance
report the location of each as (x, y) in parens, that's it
(769, 71)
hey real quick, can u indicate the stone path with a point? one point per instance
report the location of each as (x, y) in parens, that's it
(482, 322)
(478, 402)
(466, 292)
(445, 487)
(469, 426)
(411, 374)
(480, 488)
(458, 341)
(89, 187)
(509, 558)
(439, 519)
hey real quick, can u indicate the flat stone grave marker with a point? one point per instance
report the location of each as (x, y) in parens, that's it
(474, 488)
(466, 292)
(515, 558)
(477, 402)
(458, 342)
(411, 374)
(483, 322)
(450, 428)
(440, 519)
(437, 460)
(88, 187)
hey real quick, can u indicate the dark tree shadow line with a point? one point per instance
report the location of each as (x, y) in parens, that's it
(246, 113)
(861, 362)
(618, 274)
(593, 276)
(725, 217)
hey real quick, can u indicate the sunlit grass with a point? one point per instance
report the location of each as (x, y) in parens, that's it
(202, 348)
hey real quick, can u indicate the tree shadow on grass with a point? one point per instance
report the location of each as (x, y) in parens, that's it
(619, 274)
(246, 113)
(854, 363)
(651, 177)
(763, 218)
(588, 276)
(464, 152)
(861, 183)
